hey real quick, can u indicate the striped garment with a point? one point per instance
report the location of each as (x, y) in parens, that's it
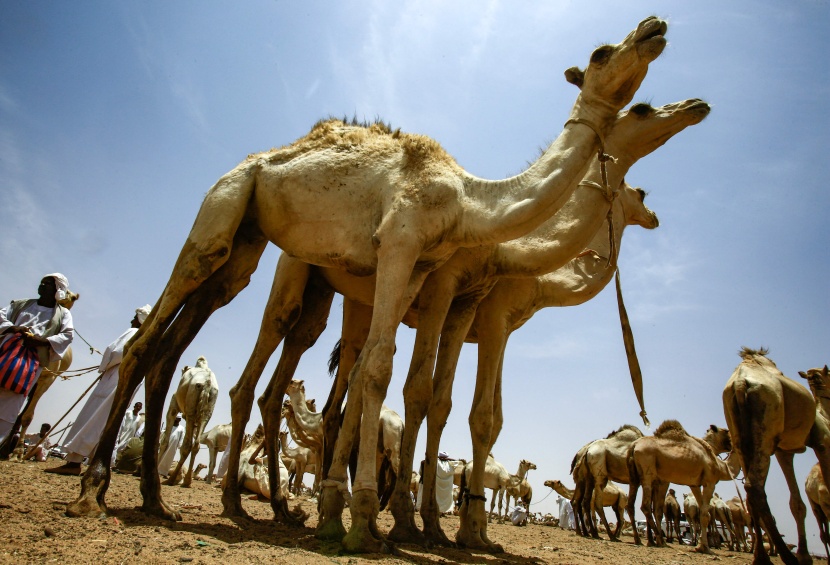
(18, 365)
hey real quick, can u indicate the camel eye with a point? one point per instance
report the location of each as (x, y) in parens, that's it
(601, 54)
(642, 109)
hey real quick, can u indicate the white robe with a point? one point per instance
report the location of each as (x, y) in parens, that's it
(566, 514)
(37, 318)
(222, 468)
(166, 458)
(444, 476)
(85, 433)
(129, 428)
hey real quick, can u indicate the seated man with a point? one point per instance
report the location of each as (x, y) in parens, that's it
(43, 449)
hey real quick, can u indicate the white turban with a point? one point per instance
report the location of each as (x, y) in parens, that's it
(142, 313)
(61, 283)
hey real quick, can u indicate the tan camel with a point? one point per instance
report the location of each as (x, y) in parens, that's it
(414, 484)
(740, 520)
(719, 512)
(673, 456)
(349, 180)
(304, 461)
(496, 478)
(533, 264)
(692, 510)
(336, 529)
(819, 497)
(604, 459)
(47, 377)
(518, 487)
(194, 398)
(671, 510)
(612, 496)
(252, 472)
(216, 439)
(767, 414)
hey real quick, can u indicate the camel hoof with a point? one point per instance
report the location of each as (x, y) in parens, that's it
(84, 507)
(360, 540)
(161, 510)
(700, 549)
(408, 533)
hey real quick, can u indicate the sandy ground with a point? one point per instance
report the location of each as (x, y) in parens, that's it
(35, 530)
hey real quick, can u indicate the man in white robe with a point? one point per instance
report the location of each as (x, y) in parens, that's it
(129, 426)
(83, 437)
(45, 326)
(566, 514)
(444, 476)
(175, 441)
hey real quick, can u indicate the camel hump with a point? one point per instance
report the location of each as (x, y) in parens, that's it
(747, 353)
(670, 429)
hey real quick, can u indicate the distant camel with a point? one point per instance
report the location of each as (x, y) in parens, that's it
(195, 398)
(671, 510)
(216, 439)
(611, 496)
(819, 497)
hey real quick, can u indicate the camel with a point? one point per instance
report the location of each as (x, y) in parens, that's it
(518, 487)
(391, 204)
(304, 459)
(767, 414)
(532, 264)
(612, 496)
(196, 471)
(498, 480)
(335, 529)
(194, 398)
(719, 512)
(819, 497)
(47, 377)
(414, 484)
(216, 439)
(671, 510)
(252, 472)
(671, 455)
(740, 520)
(603, 459)
(692, 510)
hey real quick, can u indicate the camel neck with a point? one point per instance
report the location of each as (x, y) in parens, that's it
(496, 211)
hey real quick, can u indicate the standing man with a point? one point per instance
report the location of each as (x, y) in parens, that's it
(45, 327)
(176, 435)
(85, 433)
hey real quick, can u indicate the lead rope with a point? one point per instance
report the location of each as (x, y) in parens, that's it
(628, 335)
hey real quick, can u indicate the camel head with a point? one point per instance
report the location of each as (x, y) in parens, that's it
(630, 204)
(642, 129)
(718, 438)
(311, 404)
(527, 465)
(201, 363)
(68, 301)
(295, 386)
(615, 72)
(819, 381)
(553, 484)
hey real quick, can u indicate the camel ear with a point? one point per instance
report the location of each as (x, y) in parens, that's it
(575, 76)
(803, 375)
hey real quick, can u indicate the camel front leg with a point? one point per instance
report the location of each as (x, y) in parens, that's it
(473, 528)
(647, 508)
(211, 461)
(660, 490)
(397, 285)
(703, 503)
(797, 507)
(456, 327)
(633, 487)
(434, 302)
(340, 429)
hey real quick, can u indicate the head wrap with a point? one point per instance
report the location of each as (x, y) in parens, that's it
(61, 284)
(443, 455)
(142, 313)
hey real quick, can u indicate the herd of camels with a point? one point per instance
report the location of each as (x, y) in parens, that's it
(391, 222)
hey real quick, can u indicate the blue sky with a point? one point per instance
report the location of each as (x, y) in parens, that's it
(116, 118)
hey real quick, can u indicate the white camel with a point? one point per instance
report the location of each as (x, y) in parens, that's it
(195, 398)
(216, 439)
(303, 459)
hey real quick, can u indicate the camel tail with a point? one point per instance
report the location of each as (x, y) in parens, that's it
(334, 358)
